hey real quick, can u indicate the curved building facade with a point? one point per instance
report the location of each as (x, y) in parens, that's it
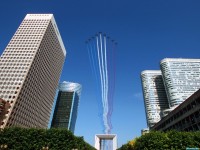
(181, 78)
(66, 108)
(155, 98)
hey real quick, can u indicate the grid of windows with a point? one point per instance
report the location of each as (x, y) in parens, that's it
(63, 109)
(66, 108)
(181, 78)
(18, 55)
(30, 68)
(154, 95)
(186, 117)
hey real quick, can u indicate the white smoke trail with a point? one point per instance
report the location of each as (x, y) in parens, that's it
(105, 63)
(104, 89)
(100, 69)
(106, 71)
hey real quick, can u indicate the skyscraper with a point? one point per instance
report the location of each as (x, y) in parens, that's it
(155, 98)
(181, 78)
(30, 68)
(66, 107)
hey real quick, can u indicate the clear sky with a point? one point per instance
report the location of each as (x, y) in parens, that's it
(146, 31)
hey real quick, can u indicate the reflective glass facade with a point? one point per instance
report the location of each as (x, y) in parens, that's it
(181, 78)
(155, 98)
(66, 108)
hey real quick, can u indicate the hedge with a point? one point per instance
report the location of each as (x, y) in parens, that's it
(16, 138)
(171, 140)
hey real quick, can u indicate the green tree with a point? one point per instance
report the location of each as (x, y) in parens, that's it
(35, 139)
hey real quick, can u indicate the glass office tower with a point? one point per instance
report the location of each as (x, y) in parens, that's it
(155, 98)
(30, 68)
(181, 78)
(66, 108)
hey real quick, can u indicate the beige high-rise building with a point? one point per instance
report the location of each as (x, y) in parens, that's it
(30, 69)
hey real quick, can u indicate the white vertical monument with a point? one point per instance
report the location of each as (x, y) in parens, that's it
(103, 137)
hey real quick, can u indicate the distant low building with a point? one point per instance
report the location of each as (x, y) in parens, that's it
(4, 106)
(145, 131)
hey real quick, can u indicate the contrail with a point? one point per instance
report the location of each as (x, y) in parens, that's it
(102, 66)
(102, 58)
(100, 70)
(96, 68)
(106, 71)
(104, 84)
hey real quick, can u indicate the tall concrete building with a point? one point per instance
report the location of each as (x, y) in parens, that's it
(155, 98)
(66, 108)
(30, 68)
(181, 78)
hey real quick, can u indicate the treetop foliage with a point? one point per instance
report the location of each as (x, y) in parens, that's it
(171, 140)
(16, 138)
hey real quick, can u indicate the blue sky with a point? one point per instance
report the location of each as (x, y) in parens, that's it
(146, 32)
